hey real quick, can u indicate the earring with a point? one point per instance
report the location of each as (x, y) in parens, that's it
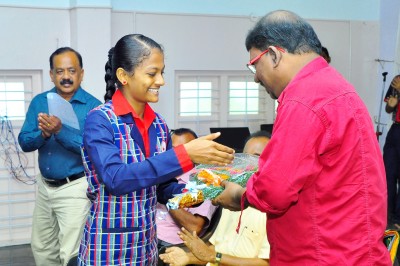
(124, 82)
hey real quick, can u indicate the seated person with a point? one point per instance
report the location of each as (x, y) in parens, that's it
(194, 219)
(227, 247)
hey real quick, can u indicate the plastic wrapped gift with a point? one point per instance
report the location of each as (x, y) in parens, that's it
(205, 182)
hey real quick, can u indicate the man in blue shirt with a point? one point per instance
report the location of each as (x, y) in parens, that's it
(61, 205)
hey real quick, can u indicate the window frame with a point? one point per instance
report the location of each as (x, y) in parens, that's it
(220, 97)
(32, 80)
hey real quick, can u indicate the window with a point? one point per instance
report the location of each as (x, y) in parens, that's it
(243, 97)
(195, 98)
(220, 99)
(12, 99)
(16, 92)
(17, 87)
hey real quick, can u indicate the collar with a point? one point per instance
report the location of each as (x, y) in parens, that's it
(122, 107)
(312, 67)
(79, 95)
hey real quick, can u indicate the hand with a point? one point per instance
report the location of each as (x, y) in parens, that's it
(175, 256)
(204, 150)
(396, 83)
(45, 134)
(392, 101)
(231, 197)
(49, 124)
(197, 246)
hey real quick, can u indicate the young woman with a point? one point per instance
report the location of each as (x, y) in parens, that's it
(129, 160)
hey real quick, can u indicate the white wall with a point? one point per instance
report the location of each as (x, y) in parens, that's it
(32, 34)
(389, 24)
(192, 42)
(206, 42)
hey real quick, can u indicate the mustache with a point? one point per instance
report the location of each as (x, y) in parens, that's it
(66, 81)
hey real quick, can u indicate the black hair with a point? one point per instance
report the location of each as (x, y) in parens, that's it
(128, 53)
(64, 50)
(325, 54)
(182, 130)
(324, 50)
(257, 134)
(284, 29)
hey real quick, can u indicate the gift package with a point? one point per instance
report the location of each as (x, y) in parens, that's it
(205, 181)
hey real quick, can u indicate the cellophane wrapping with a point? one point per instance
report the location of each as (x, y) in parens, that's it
(205, 181)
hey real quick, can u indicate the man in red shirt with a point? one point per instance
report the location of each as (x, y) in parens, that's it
(321, 179)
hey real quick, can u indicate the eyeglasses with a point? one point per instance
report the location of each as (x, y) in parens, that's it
(251, 65)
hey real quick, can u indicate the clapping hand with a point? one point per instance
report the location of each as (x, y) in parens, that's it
(393, 101)
(197, 246)
(175, 256)
(49, 124)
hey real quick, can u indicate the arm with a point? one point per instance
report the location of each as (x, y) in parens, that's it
(391, 104)
(119, 177)
(231, 197)
(71, 138)
(192, 222)
(30, 137)
(68, 137)
(167, 189)
(204, 150)
(236, 261)
(391, 97)
(278, 182)
(178, 257)
(194, 218)
(202, 252)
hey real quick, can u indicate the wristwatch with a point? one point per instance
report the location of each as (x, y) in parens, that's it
(218, 257)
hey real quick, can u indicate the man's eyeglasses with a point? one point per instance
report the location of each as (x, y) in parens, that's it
(251, 65)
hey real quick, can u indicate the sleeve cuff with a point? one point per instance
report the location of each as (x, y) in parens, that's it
(183, 158)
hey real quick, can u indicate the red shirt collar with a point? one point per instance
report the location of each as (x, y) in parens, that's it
(122, 107)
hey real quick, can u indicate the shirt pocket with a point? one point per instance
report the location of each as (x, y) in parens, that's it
(248, 242)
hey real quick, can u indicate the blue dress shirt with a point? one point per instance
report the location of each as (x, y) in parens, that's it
(59, 155)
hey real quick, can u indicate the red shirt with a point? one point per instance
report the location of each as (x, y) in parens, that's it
(122, 107)
(321, 178)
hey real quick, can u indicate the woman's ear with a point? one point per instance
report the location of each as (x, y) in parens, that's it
(121, 75)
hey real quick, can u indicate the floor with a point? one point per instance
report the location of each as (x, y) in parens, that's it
(20, 255)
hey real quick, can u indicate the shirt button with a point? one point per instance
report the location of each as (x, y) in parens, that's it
(47, 168)
(49, 153)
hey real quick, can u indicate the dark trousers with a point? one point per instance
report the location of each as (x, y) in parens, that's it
(391, 157)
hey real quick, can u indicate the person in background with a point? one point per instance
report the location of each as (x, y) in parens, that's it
(227, 247)
(256, 142)
(325, 54)
(321, 179)
(391, 154)
(61, 205)
(129, 160)
(169, 222)
(182, 136)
